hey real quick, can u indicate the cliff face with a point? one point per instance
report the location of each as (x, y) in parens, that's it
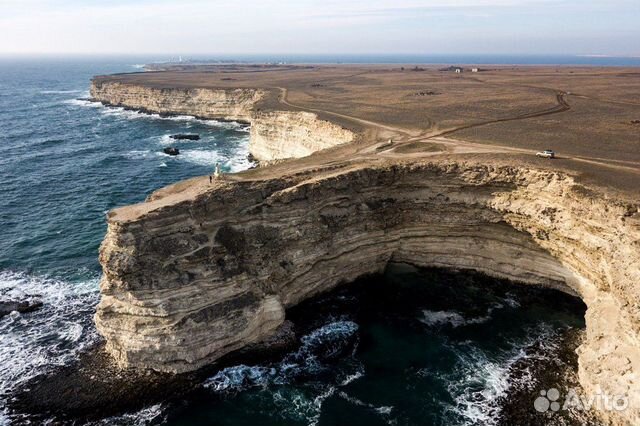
(201, 270)
(274, 135)
(287, 134)
(236, 104)
(190, 278)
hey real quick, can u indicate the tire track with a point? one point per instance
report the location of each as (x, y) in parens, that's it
(562, 106)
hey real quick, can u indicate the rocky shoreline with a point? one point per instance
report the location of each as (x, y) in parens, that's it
(95, 388)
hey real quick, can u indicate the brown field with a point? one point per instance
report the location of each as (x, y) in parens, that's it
(585, 114)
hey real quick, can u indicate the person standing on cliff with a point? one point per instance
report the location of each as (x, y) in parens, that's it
(210, 179)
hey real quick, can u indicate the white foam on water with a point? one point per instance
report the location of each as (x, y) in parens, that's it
(322, 343)
(237, 161)
(147, 416)
(455, 319)
(432, 318)
(83, 103)
(54, 335)
(353, 377)
(128, 114)
(384, 410)
(485, 380)
(139, 154)
(298, 405)
(138, 66)
(301, 404)
(166, 140)
(59, 92)
(201, 157)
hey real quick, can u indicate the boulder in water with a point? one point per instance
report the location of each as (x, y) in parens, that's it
(171, 151)
(8, 306)
(187, 136)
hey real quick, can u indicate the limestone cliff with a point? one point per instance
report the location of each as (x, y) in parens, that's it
(193, 274)
(235, 104)
(274, 135)
(286, 134)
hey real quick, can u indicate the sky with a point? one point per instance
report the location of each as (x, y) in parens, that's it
(425, 27)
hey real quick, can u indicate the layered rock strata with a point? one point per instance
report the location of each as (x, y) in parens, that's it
(199, 271)
(189, 278)
(274, 135)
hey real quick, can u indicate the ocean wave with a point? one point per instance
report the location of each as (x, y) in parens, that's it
(83, 103)
(147, 416)
(483, 379)
(317, 355)
(139, 154)
(200, 157)
(129, 114)
(54, 335)
(322, 345)
(59, 92)
(383, 410)
(300, 405)
(456, 319)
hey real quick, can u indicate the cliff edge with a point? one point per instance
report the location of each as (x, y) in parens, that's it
(200, 270)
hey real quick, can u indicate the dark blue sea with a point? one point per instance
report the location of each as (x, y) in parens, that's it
(65, 161)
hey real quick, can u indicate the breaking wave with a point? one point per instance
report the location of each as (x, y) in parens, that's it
(59, 92)
(147, 416)
(54, 335)
(129, 114)
(456, 319)
(83, 103)
(318, 355)
(320, 347)
(482, 380)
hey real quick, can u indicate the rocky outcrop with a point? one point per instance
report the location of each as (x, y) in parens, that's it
(25, 306)
(189, 277)
(274, 135)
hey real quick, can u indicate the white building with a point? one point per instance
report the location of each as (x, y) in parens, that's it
(474, 69)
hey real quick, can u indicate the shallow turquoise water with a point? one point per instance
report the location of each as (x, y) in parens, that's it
(399, 354)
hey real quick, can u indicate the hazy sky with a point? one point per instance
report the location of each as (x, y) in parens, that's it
(609, 27)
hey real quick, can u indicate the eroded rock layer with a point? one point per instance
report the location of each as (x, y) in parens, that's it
(191, 277)
(274, 135)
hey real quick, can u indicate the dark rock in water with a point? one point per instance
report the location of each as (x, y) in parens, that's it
(282, 340)
(171, 151)
(187, 136)
(8, 306)
(544, 367)
(253, 160)
(94, 388)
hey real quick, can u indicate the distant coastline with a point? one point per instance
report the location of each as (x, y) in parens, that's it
(464, 59)
(137, 61)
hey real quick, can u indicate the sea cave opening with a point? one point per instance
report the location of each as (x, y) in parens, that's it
(407, 346)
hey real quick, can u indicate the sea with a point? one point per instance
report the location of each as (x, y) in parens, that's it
(435, 358)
